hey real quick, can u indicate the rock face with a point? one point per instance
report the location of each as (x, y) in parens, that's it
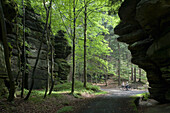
(34, 28)
(145, 26)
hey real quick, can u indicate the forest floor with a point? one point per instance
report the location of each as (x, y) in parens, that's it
(63, 103)
(116, 101)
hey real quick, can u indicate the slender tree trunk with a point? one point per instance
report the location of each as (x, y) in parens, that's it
(140, 74)
(106, 79)
(119, 81)
(74, 38)
(48, 58)
(131, 72)
(6, 53)
(79, 73)
(52, 58)
(37, 59)
(127, 72)
(134, 74)
(23, 52)
(48, 70)
(85, 37)
(52, 65)
(47, 79)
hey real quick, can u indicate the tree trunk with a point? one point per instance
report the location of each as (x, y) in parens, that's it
(119, 81)
(6, 53)
(127, 71)
(131, 72)
(106, 80)
(74, 37)
(23, 53)
(47, 79)
(134, 74)
(52, 64)
(48, 70)
(140, 74)
(52, 58)
(85, 37)
(48, 58)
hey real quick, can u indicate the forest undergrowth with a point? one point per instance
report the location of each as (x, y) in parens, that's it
(60, 101)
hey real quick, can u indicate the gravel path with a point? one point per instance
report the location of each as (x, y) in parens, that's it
(116, 101)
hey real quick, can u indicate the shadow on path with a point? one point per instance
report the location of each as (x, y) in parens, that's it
(116, 101)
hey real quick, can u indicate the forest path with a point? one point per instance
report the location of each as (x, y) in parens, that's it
(116, 101)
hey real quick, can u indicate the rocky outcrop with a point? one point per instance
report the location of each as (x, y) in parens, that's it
(34, 30)
(145, 26)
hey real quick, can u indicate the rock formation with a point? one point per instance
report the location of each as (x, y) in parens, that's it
(145, 26)
(34, 29)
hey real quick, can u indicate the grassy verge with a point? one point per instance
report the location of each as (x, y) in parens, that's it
(79, 89)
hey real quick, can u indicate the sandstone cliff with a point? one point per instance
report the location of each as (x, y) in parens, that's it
(145, 26)
(34, 28)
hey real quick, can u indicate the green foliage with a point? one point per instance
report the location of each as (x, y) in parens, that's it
(145, 96)
(36, 95)
(65, 109)
(61, 17)
(78, 88)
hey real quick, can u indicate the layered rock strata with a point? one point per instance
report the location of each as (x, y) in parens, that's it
(145, 26)
(34, 29)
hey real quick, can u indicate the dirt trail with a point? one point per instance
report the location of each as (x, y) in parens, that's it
(116, 101)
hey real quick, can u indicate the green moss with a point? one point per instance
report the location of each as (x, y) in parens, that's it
(65, 109)
(144, 95)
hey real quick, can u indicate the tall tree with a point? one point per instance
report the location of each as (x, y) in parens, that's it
(140, 74)
(6, 53)
(131, 72)
(74, 38)
(48, 46)
(135, 74)
(52, 59)
(85, 37)
(119, 81)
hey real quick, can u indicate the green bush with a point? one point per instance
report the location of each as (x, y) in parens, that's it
(78, 87)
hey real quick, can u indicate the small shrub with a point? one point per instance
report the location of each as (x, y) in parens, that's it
(145, 96)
